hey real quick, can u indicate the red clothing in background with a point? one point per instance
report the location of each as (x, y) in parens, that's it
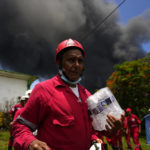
(133, 123)
(116, 140)
(17, 113)
(12, 112)
(14, 109)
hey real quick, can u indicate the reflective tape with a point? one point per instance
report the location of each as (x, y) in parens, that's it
(27, 123)
(134, 125)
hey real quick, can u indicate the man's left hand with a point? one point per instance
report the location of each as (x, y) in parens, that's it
(114, 123)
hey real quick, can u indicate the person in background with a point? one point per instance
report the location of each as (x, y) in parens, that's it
(19, 105)
(24, 100)
(14, 108)
(12, 113)
(15, 112)
(133, 129)
(116, 140)
(28, 92)
(57, 108)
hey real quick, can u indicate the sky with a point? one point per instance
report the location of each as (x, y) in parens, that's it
(130, 9)
(31, 30)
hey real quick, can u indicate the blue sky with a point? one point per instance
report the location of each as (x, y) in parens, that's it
(130, 9)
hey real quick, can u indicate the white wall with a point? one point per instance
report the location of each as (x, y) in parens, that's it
(11, 88)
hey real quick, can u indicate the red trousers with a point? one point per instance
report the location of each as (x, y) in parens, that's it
(116, 140)
(134, 133)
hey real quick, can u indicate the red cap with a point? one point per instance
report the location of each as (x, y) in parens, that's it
(69, 43)
(128, 110)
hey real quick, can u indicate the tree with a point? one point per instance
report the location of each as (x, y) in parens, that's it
(6, 121)
(130, 84)
(5, 118)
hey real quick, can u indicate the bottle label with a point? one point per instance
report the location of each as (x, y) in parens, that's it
(103, 104)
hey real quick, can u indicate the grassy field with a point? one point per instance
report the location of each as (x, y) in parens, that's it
(4, 136)
(142, 142)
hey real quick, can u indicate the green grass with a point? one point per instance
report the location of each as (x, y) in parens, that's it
(142, 142)
(4, 137)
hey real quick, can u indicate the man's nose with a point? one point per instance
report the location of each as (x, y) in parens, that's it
(77, 63)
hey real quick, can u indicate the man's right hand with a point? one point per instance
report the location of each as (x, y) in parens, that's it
(38, 145)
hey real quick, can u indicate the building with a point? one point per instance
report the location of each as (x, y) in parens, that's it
(13, 85)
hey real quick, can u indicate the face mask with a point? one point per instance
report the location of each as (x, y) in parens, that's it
(63, 77)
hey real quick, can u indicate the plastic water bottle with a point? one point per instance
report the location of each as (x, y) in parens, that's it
(100, 104)
(96, 146)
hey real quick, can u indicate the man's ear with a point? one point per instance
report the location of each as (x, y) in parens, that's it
(59, 63)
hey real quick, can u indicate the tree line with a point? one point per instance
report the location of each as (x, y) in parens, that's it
(130, 83)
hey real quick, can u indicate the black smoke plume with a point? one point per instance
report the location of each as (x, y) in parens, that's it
(31, 30)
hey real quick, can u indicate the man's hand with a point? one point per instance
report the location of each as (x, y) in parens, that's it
(139, 128)
(38, 145)
(126, 131)
(99, 141)
(114, 123)
(11, 123)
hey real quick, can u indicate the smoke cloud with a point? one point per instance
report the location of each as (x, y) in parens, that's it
(31, 30)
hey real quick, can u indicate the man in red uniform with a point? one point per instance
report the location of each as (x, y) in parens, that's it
(133, 129)
(18, 111)
(12, 113)
(15, 108)
(24, 100)
(125, 126)
(58, 109)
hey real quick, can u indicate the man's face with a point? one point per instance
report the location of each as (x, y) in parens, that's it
(24, 102)
(128, 113)
(73, 64)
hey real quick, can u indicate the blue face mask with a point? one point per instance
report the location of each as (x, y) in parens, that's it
(63, 77)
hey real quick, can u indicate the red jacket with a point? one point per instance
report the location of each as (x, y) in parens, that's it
(133, 121)
(17, 113)
(14, 109)
(62, 122)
